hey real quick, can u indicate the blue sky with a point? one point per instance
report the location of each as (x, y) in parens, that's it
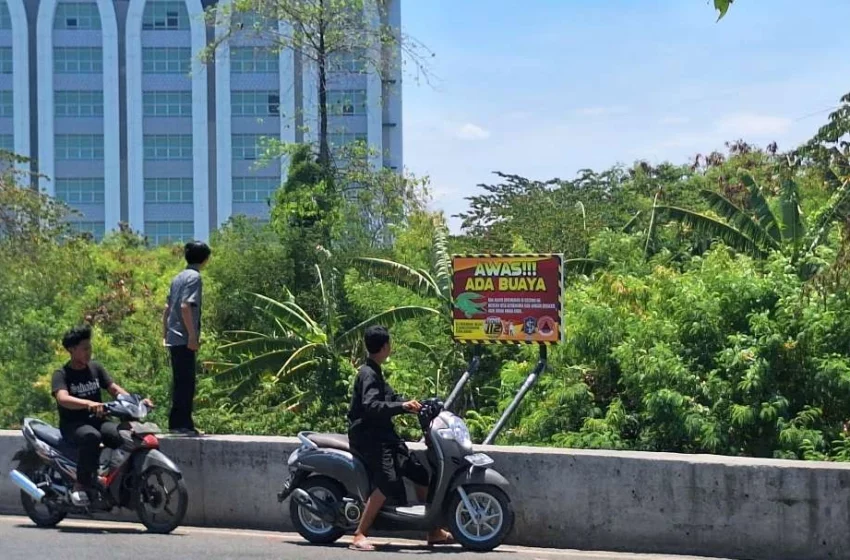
(543, 88)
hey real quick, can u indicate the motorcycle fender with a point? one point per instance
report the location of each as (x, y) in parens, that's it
(479, 476)
(155, 458)
(340, 466)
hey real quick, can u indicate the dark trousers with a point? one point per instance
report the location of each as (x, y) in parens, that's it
(182, 388)
(87, 438)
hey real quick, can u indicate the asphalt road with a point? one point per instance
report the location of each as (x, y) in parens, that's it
(98, 540)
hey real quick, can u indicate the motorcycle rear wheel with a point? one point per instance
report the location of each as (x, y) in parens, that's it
(49, 516)
(315, 530)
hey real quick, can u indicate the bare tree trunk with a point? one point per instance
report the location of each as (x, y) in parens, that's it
(324, 149)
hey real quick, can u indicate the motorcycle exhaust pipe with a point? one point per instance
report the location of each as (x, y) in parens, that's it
(305, 500)
(23, 482)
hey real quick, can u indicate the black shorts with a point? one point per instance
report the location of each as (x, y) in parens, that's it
(388, 464)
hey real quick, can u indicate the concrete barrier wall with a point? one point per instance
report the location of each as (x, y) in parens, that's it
(623, 501)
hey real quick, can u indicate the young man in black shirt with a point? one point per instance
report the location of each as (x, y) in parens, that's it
(371, 434)
(76, 388)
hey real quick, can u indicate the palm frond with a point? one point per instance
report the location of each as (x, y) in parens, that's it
(765, 216)
(792, 215)
(426, 348)
(738, 218)
(631, 223)
(406, 276)
(443, 263)
(826, 216)
(253, 367)
(307, 349)
(293, 315)
(386, 318)
(650, 233)
(261, 345)
(713, 228)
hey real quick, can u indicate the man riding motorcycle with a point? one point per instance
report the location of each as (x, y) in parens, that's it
(77, 389)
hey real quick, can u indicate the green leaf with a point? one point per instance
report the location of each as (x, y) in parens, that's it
(387, 318)
(418, 281)
(722, 6)
(714, 228)
(792, 220)
(766, 219)
(739, 219)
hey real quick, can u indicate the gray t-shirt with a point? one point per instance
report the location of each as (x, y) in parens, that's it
(186, 287)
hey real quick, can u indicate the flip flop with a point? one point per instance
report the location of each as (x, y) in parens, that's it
(362, 546)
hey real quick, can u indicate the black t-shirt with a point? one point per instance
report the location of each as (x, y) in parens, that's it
(80, 383)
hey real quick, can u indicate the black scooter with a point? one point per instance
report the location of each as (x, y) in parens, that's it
(329, 484)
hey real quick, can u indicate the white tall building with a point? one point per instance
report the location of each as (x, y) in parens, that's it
(128, 124)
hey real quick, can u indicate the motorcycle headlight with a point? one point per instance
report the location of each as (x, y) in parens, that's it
(458, 432)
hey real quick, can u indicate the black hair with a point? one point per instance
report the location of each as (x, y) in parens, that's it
(196, 252)
(375, 338)
(75, 336)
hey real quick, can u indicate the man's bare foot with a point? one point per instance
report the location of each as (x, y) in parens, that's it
(361, 543)
(440, 536)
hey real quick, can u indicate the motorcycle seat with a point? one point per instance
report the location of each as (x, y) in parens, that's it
(49, 435)
(331, 441)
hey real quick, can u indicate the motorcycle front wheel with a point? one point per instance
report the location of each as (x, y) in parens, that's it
(42, 514)
(161, 500)
(487, 524)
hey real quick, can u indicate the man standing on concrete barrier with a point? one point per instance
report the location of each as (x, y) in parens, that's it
(181, 324)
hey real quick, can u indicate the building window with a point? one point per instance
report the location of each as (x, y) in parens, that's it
(95, 229)
(78, 103)
(255, 103)
(167, 103)
(165, 16)
(79, 146)
(347, 102)
(80, 191)
(166, 60)
(7, 142)
(254, 189)
(5, 18)
(342, 139)
(353, 61)
(160, 233)
(246, 146)
(250, 60)
(76, 15)
(6, 105)
(168, 146)
(171, 189)
(77, 60)
(5, 60)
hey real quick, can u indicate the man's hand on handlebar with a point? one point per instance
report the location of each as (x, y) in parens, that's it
(148, 403)
(413, 406)
(97, 409)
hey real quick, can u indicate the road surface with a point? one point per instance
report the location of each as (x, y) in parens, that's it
(99, 540)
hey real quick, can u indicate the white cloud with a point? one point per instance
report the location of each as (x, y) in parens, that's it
(749, 124)
(601, 111)
(675, 120)
(471, 131)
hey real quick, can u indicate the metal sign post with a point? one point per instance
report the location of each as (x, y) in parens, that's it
(470, 371)
(526, 387)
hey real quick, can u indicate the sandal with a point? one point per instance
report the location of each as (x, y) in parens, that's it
(362, 546)
(447, 540)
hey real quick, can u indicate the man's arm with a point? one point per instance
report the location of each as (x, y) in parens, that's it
(166, 310)
(375, 408)
(191, 296)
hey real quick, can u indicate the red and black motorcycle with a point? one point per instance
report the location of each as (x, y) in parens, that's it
(136, 475)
